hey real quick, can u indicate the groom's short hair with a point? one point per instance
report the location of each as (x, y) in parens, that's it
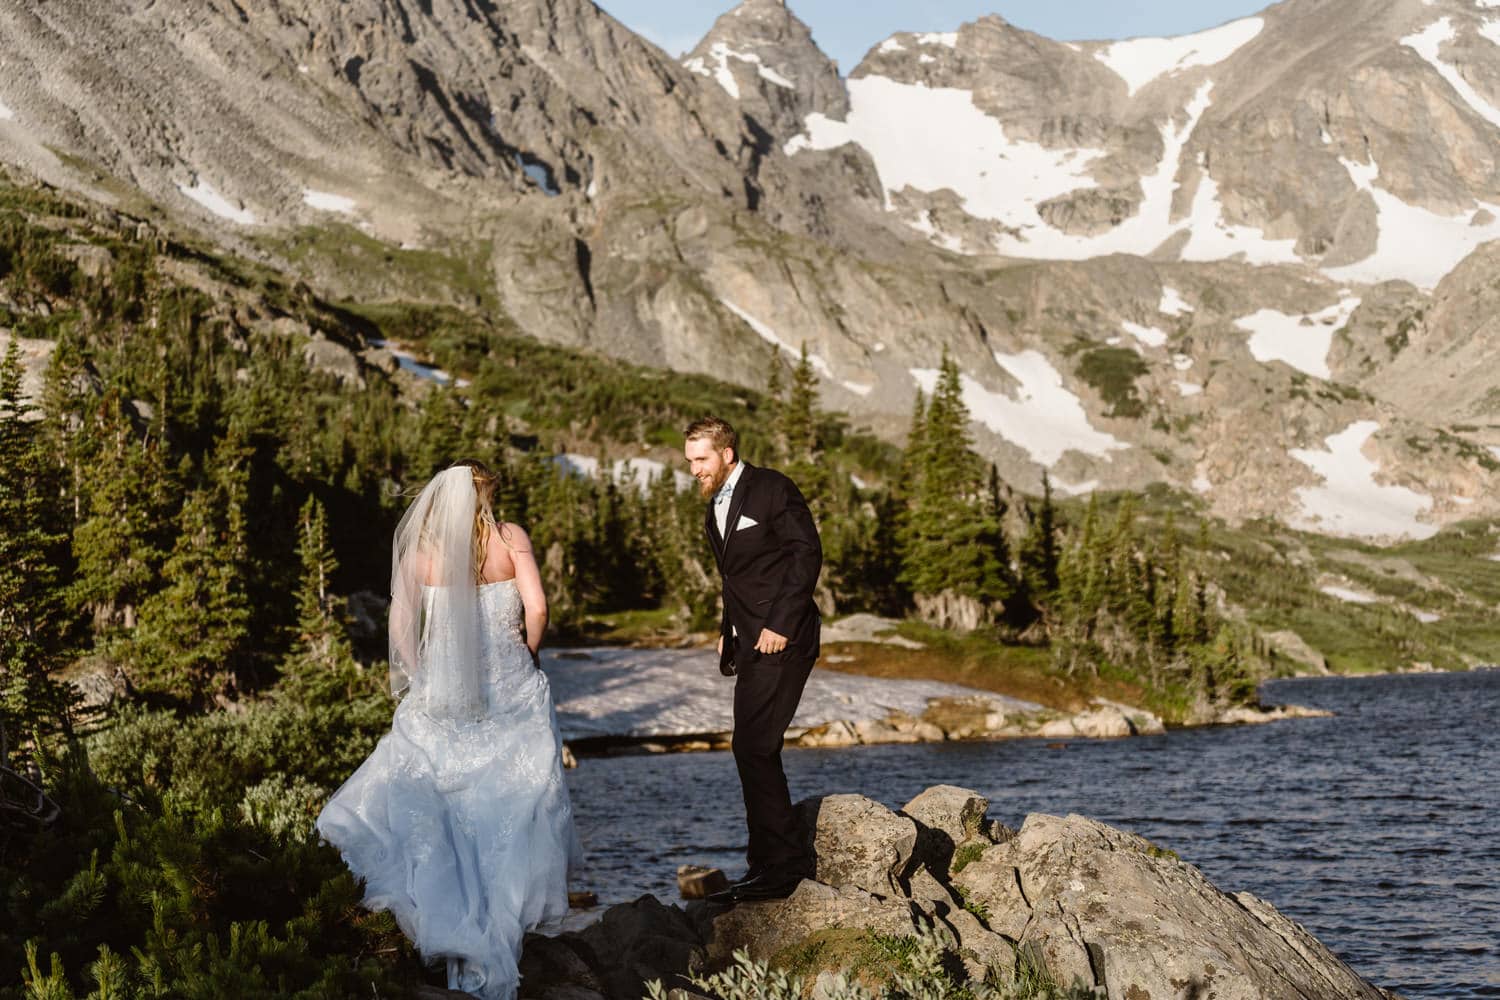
(718, 431)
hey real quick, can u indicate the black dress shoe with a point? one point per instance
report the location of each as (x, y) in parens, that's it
(771, 885)
(752, 873)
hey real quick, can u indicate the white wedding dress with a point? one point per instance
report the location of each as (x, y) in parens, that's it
(464, 829)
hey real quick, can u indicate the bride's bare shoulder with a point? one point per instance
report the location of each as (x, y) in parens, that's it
(514, 536)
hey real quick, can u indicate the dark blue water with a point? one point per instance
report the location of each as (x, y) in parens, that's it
(1376, 829)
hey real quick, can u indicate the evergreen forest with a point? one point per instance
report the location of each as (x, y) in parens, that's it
(197, 496)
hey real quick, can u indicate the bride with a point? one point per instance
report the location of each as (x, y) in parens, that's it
(459, 822)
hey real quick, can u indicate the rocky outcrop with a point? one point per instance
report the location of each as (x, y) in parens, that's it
(1086, 903)
(1115, 911)
(764, 57)
(1106, 720)
(859, 843)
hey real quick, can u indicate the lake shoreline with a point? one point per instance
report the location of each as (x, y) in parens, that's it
(841, 733)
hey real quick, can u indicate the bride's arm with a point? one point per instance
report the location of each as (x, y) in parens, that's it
(528, 582)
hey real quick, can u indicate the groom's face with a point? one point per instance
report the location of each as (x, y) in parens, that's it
(709, 465)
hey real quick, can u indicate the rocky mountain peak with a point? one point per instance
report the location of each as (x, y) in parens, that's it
(765, 58)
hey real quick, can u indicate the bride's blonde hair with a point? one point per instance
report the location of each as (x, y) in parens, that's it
(485, 485)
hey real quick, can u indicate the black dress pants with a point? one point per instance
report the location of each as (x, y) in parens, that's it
(767, 689)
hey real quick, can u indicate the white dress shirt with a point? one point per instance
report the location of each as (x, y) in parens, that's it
(722, 498)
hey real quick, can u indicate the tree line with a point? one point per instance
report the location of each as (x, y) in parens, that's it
(195, 518)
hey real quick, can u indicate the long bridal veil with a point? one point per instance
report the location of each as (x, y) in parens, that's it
(434, 624)
(459, 821)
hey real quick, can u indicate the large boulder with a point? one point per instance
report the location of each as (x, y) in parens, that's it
(1114, 911)
(946, 817)
(766, 929)
(858, 842)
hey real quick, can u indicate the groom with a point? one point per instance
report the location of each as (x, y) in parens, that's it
(769, 555)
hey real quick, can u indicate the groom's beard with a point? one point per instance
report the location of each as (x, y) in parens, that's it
(708, 489)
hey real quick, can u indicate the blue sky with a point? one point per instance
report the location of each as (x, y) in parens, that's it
(846, 29)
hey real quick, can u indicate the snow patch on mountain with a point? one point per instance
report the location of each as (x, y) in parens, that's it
(1301, 341)
(204, 194)
(1143, 232)
(1415, 244)
(1075, 489)
(1350, 502)
(1044, 418)
(328, 202)
(639, 472)
(1349, 596)
(1426, 44)
(721, 53)
(1138, 61)
(1212, 238)
(932, 138)
(1172, 303)
(1148, 335)
(6, 114)
(1188, 388)
(771, 337)
(948, 38)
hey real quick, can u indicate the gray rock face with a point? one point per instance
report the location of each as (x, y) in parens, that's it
(764, 929)
(1087, 900)
(1066, 888)
(765, 58)
(333, 359)
(858, 843)
(603, 195)
(946, 817)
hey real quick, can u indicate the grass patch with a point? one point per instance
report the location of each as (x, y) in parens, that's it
(1112, 372)
(966, 855)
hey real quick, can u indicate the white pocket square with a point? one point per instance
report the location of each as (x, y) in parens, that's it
(745, 521)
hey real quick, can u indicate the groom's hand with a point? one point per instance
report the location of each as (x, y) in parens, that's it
(721, 644)
(770, 642)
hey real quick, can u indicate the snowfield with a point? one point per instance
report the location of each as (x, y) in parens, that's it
(1301, 341)
(1172, 303)
(932, 138)
(1138, 61)
(721, 53)
(1148, 335)
(1426, 44)
(1415, 244)
(680, 692)
(1350, 502)
(204, 194)
(1044, 418)
(328, 202)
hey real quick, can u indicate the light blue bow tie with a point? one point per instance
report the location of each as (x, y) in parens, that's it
(722, 497)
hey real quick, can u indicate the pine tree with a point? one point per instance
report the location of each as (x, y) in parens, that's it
(32, 701)
(193, 635)
(320, 668)
(799, 429)
(118, 544)
(951, 536)
(775, 417)
(1039, 551)
(322, 628)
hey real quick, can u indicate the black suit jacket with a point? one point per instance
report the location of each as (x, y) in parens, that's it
(769, 562)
